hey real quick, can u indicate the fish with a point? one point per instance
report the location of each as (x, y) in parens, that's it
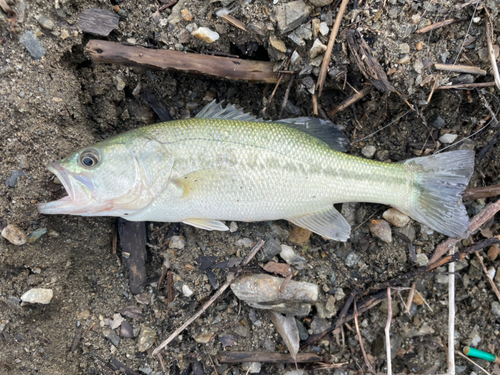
(226, 165)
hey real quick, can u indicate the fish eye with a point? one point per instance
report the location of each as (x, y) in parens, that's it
(89, 158)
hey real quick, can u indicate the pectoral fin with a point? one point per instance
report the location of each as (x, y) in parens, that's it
(208, 224)
(327, 223)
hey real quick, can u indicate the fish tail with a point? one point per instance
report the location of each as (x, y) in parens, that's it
(436, 199)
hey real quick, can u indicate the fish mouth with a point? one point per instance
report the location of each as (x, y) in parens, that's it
(80, 190)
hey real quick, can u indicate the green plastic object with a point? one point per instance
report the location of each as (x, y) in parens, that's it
(473, 352)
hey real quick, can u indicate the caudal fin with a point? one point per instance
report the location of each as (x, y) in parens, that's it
(438, 187)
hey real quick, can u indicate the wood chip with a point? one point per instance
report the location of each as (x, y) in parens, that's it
(98, 21)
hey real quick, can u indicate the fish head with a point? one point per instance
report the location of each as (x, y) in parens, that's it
(101, 180)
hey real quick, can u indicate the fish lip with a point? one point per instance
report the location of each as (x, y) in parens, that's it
(70, 203)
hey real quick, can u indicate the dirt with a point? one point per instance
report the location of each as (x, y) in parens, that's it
(52, 106)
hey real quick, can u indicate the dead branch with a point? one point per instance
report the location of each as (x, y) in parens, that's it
(230, 278)
(350, 100)
(102, 51)
(482, 217)
(367, 63)
(466, 86)
(235, 22)
(437, 25)
(460, 69)
(239, 357)
(481, 193)
(367, 362)
(492, 284)
(329, 49)
(491, 51)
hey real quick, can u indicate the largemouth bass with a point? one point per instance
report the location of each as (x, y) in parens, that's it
(227, 165)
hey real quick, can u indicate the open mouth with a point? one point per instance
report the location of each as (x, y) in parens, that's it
(79, 190)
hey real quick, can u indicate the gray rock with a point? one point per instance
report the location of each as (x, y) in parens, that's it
(384, 307)
(177, 242)
(263, 292)
(21, 94)
(38, 295)
(320, 3)
(301, 34)
(288, 255)
(368, 151)
(352, 259)
(291, 15)
(303, 334)
(111, 335)
(14, 235)
(23, 162)
(292, 109)
(271, 248)
(46, 23)
(349, 212)
(381, 230)
(184, 36)
(406, 233)
(319, 325)
(33, 45)
(382, 155)
(495, 308)
(147, 338)
(422, 259)
(11, 181)
(36, 235)
(436, 121)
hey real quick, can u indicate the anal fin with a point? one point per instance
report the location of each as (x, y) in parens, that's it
(208, 224)
(327, 223)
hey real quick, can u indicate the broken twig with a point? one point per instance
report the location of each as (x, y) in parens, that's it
(388, 332)
(102, 51)
(460, 69)
(466, 86)
(491, 51)
(451, 314)
(329, 49)
(350, 100)
(481, 193)
(239, 357)
(437, 25)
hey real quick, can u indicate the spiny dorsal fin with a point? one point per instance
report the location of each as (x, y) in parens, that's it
(318, 128)
(214, 110)
(321, 129)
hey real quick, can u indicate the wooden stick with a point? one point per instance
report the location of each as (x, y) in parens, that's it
(481, 193)
(367, 362)
(437, 25)
(329, 49)
(388, 333)
(231, 277)
(460, 69)
(466, 86)
(102, 51)
(409, 300)
(482, 217)
(350, 100)
(233, 21)
(239, 357)
(492, 284)
(493, 60)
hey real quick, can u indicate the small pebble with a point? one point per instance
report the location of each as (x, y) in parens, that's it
(495, 308)
(245, 242)
(278, 44)
(288, 255)
(12, 180)
(147, 338)
(33, 45)
(381, 229)
(203, 338)
(448, 138)
(112, 336)
(368, 151)
(186, 15)
(177, 242)
(205, 34)
(46, 23)
(120, 83)
(491, 273)
(395, 217)
(317, 49)
(187, 291)
(404, 60)
(493, 251)
(38, 295)
(299, 236)
(352, 259)
(436, 121)
(422, 259)
(233, 227)
(21, 94)
(404, 48)
(23, 162)
(14, 235)
(323, 28)
(36, 235)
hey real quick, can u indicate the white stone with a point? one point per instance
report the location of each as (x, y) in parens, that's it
(317, 49)
(244, 242)
(323, 28)
(38, 295)
(448, 138)
(205, 34)
(422, 259)
(177, 242)
(187, 291)
(233, 227)
(395, 217)
(14, 235)
(368, 151)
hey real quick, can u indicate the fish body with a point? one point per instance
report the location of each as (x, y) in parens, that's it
(226, 165)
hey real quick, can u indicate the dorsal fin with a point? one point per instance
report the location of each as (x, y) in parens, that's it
(318, 128)
(214, 110)
(321, 129)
